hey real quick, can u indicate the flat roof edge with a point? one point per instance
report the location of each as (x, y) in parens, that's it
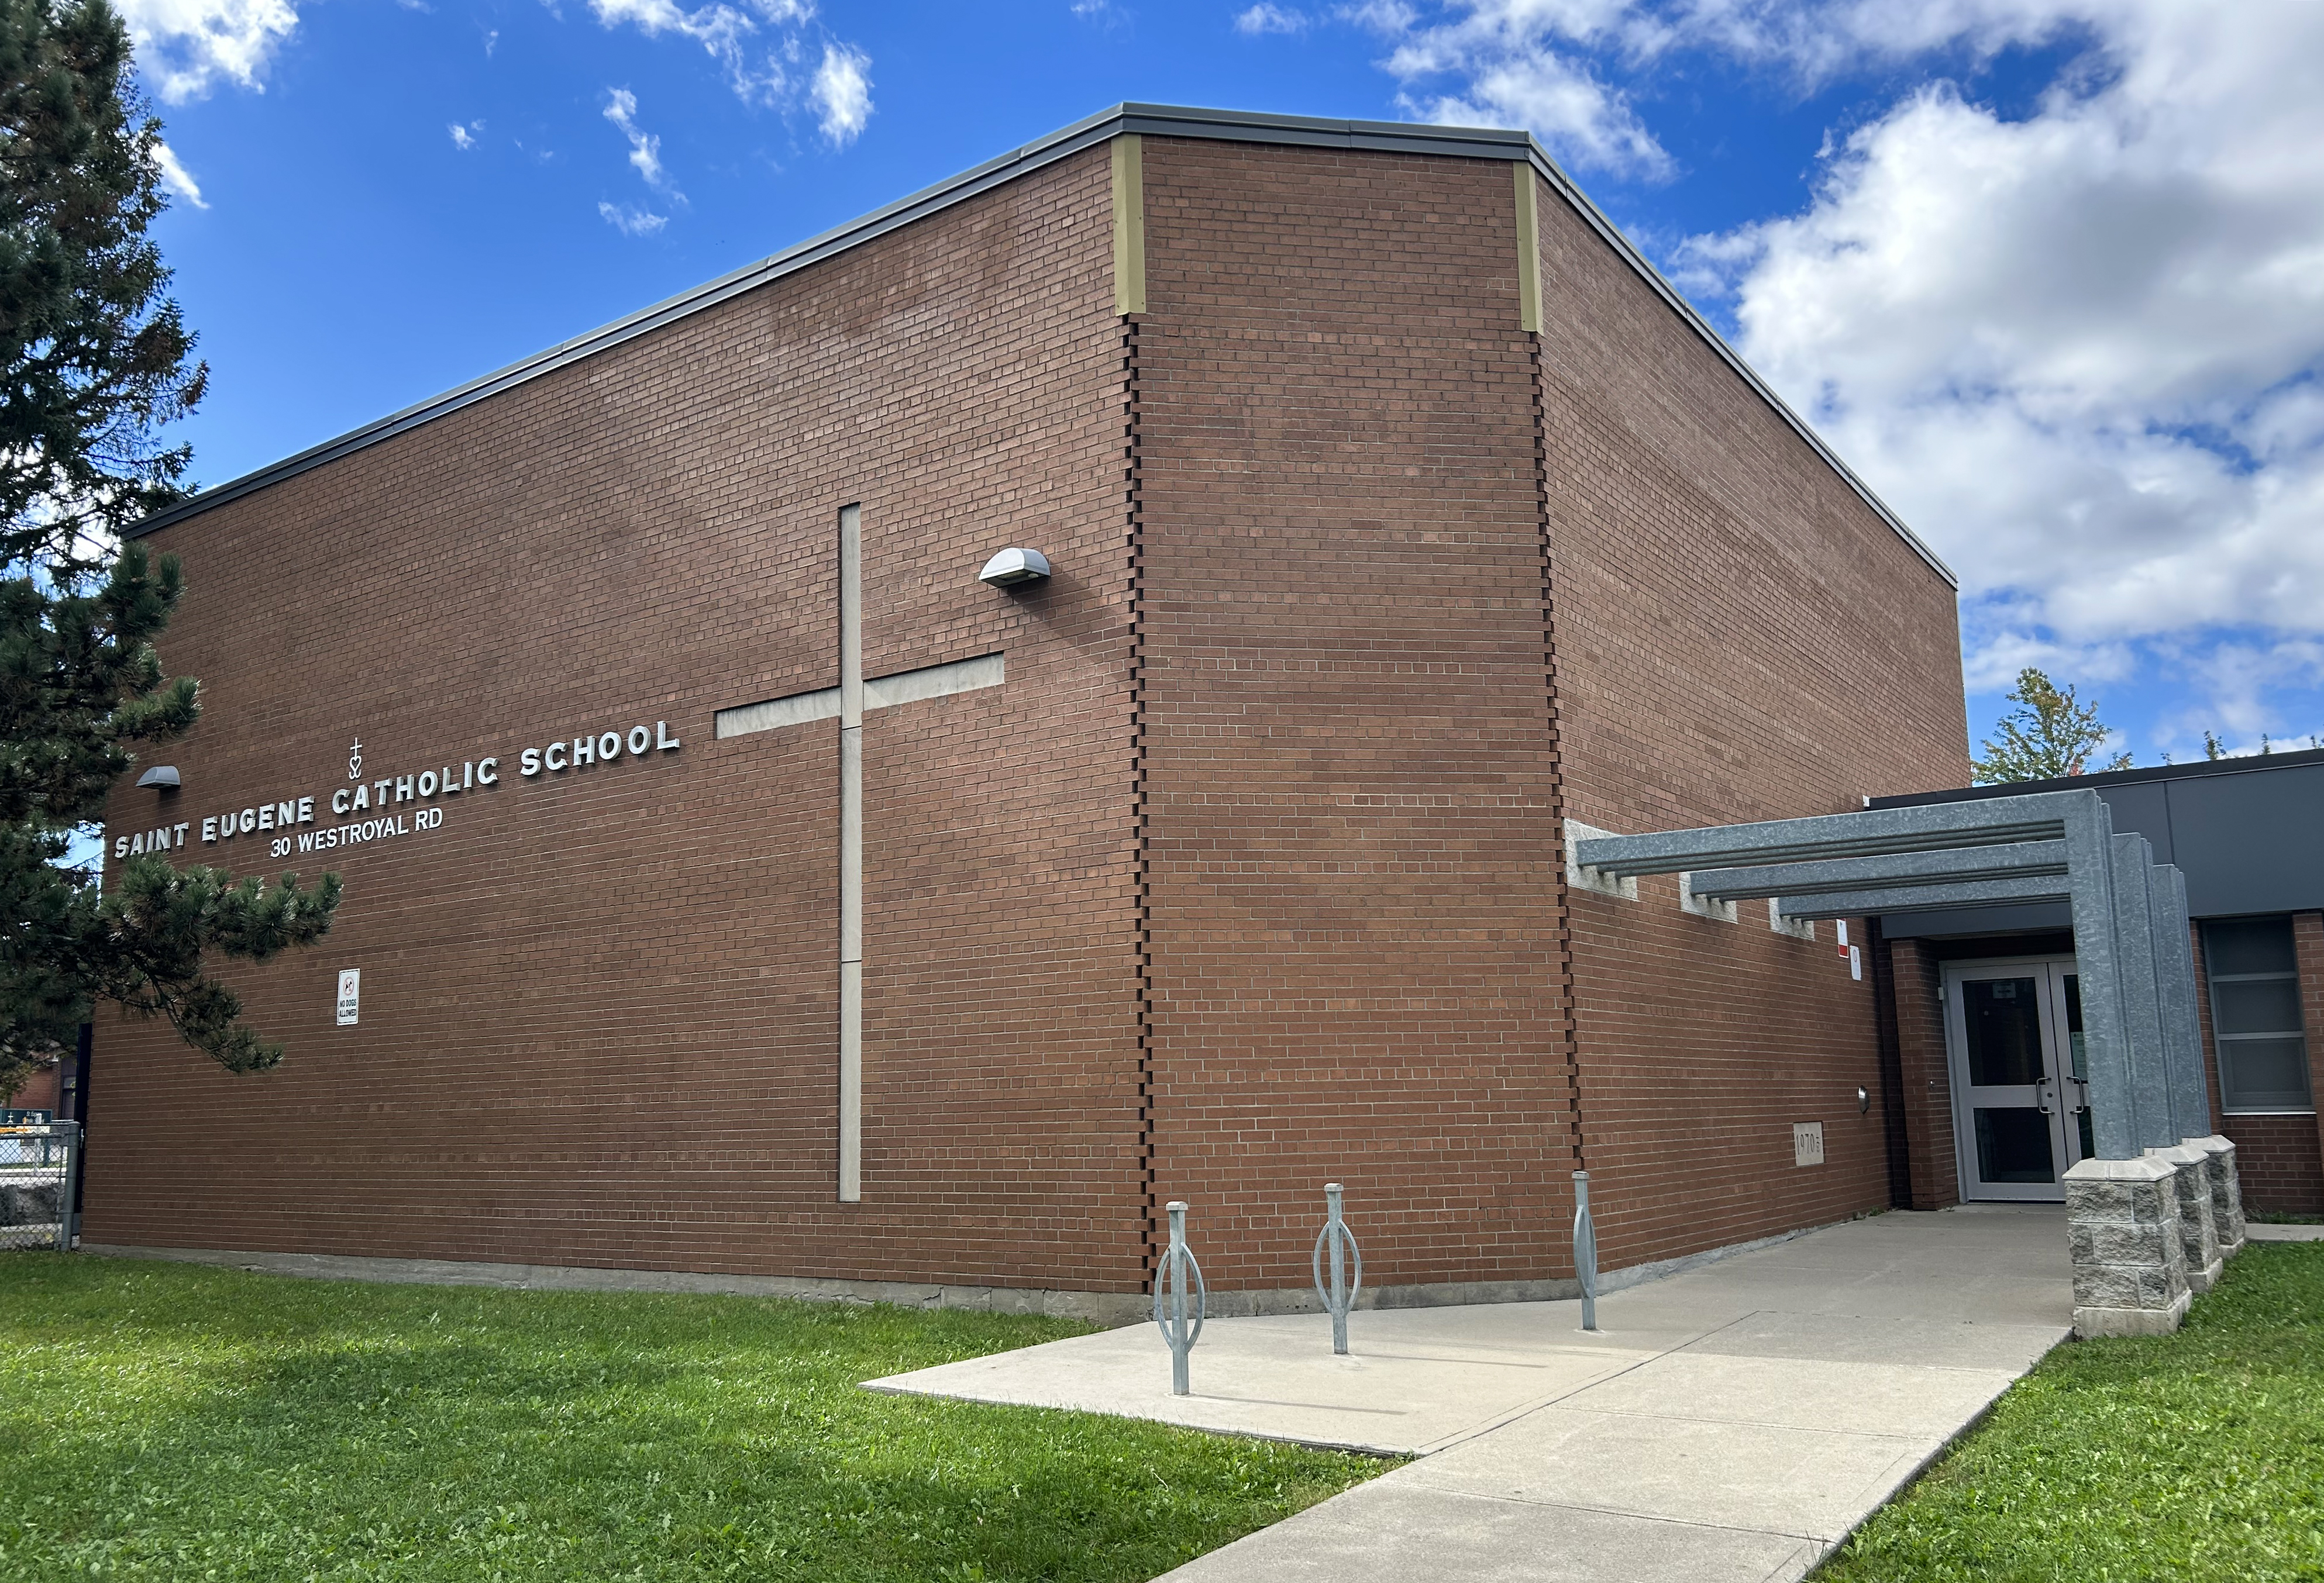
(2195, 770)
(928, 200)
(1155, 120)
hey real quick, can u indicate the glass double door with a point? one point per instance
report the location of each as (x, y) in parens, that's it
(2021, 1089)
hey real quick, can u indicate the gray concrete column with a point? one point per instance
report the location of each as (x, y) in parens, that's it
(2182, 1031)
(2089, 879)
(2199, 1236)
(2133, 941)
(2227, 1193)
(2130, 1262)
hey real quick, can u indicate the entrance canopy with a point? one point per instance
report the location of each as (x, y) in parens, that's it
(2143, 1045)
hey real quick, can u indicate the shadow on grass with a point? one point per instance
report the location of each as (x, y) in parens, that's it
(179, 1421)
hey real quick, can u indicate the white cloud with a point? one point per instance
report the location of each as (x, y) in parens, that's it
(843, 92)
(1264, 18)
(2081, 346)
(176, 177)
(2235, 678)
(464, 137)
(2003, 639)
(721, 30)
(2082, 351)
(761, 48)
(184, 46)
(645, 147)
(1528, 63)
(1820, 38)
(728, 33)
(631, 222)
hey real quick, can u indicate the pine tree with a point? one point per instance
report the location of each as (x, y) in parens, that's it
(2048, 736)
(97, 361)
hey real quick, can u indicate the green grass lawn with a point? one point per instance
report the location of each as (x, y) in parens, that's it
(2193, 1456)
(173, 1422)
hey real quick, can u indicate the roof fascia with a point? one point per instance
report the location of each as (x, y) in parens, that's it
(928, 200)
(1154, 120)
(2198, 769)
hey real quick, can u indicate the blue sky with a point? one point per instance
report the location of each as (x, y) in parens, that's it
(2041, 269)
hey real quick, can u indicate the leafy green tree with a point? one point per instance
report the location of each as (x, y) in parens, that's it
(2049, 735)
(97, 361)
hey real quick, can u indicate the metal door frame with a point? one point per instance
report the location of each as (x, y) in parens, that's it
(2065, 1140)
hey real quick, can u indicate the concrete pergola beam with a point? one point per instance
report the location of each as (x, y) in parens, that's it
(1922, 898)
(1875, 832)
(1944, 866)
(2113, 939)
(2151, 1211)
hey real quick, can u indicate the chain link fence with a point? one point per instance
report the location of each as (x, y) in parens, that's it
(40, 1177)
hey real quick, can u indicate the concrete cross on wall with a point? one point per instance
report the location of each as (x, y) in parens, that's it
(847, 702)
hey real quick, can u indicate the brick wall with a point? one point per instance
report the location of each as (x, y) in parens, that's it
(1248, 879)
(1353, 764)
(1739, 637)
(1934, 1170)
(1354, 884)
(2277, 1157)
(599, 1007)
(39, 1091)
(2307, 943)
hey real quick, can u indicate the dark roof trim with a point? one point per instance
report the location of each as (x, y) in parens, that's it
(1154, 120)
(2247, 764)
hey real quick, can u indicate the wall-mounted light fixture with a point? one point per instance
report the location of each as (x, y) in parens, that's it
(161, 778)
(1012, 567)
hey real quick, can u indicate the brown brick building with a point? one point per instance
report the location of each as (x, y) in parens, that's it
(1397, 514)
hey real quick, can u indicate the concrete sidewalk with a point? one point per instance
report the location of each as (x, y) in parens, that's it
(1734, 1421)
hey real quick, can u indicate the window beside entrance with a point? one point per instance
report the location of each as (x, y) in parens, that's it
(2256, 1015)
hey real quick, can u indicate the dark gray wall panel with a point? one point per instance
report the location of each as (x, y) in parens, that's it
(2143, 810)
(2023, 918)
(2250, 844)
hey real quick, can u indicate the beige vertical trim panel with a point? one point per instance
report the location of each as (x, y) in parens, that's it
(1128, 224)
(1528, 249)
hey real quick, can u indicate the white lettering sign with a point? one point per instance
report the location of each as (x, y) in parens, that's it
(371, 807)
(162, 840)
